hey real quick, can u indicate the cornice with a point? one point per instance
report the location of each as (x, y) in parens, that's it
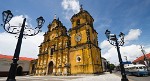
(80, 26)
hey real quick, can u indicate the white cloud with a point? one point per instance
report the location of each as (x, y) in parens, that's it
(133, 34)
(71, 7)
(29, 46)
(147, 50)
(110, 53)
(105, 44)
(131, 51)
(18, 20)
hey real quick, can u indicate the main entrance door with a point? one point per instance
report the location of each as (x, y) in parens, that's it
(50, 68)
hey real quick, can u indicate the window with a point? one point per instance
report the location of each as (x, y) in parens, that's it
(60, 45)
(52, 50)
(78, 22)
(66, 43)
(45, 49)
(140, 67)
(55, 47)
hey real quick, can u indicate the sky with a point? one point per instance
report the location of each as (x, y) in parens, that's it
(132, 17)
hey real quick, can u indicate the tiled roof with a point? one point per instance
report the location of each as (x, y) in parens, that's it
(11, 57)
(142, 58)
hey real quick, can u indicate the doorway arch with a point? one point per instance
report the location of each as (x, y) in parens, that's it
(19, 71)
(50, 68)
(33, 69)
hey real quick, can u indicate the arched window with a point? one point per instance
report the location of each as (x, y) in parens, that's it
(52, 50)
(78, 22)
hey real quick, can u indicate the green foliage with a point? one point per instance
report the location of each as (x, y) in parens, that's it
(112, 66)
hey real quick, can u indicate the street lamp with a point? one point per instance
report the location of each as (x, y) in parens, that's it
(22, 31)
(145, 59)
(114, 41)
(126, 60)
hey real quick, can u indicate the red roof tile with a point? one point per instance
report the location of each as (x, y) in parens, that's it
(11, 57)
(142, 58)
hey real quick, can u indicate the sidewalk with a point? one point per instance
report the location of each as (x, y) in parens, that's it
(104, 77)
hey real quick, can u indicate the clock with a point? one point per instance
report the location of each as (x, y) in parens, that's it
(78, 37)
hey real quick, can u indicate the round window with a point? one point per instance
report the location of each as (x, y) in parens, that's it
(78, 59)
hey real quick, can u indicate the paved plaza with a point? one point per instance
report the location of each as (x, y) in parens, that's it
(103, 77)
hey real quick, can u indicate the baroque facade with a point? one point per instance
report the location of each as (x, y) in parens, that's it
(73, 52)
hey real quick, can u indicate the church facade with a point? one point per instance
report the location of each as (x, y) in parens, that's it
(73, 51)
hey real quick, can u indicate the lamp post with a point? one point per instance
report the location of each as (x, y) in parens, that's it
(126, 59)
(22, 31)
(114, 41)
(145, 59)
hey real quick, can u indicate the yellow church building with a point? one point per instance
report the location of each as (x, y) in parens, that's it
(69, 52)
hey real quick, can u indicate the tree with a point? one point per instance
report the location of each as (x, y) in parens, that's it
(112, 66)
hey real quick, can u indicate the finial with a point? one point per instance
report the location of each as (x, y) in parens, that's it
(55, 16)
(81, 8)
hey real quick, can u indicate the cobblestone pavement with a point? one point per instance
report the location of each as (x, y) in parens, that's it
(103, 77)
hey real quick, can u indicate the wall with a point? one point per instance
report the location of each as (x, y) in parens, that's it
(5, 66)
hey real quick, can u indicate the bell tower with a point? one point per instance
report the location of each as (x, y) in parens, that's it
(85, 55)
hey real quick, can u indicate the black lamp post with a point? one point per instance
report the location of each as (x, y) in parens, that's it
(145, 58)
(126, 59)
(114, 41)
(22, 31)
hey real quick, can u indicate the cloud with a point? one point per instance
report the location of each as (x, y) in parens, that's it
(29, 46)
(131, 51)
(133, 34)
(70, 7)
(105, 44)
(128, 51)
(18, 20)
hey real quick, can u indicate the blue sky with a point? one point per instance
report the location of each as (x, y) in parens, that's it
(131, 17)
